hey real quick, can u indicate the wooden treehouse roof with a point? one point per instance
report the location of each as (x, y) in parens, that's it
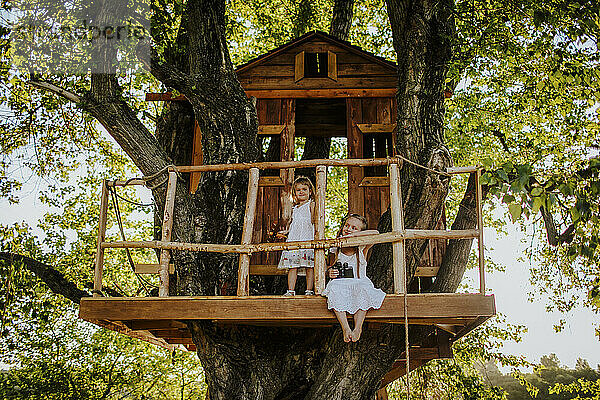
(354, 72)
(316, 36)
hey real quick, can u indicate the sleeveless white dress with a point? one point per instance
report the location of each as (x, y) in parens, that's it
(301, 228)
(353, 294)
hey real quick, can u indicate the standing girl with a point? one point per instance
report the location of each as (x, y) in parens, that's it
(352, 295)
(301, 227)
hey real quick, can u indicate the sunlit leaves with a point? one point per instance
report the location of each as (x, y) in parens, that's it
(66, 358)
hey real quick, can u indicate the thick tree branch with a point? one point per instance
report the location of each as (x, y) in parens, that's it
(55, 89)
(55, 280)
(554, 239)
(342, 19)
(454, 261)
(172, 76)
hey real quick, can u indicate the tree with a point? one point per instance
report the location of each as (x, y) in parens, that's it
(191, 56)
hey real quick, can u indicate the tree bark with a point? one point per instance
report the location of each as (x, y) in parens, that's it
(454, 261)
(342, 19)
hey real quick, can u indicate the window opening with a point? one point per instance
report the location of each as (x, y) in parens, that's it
(266, 142)
(299, 147)
(377, 146)
(270, 146)
(315, 65)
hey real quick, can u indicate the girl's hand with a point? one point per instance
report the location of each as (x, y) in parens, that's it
(333, 273)
(282, 234)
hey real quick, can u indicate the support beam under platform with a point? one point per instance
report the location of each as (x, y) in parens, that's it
(424, 309)
(160, 320)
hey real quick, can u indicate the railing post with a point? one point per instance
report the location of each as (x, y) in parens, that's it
(249, 215)
(320, 258)
(167, 230)
(479, 200)
(399, 262)
(101, 238)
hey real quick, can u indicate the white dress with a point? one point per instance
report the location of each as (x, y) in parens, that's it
(301, 229)
(353, 294)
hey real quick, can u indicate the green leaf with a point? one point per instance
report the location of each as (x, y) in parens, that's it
(538, 202)
(515, 211)
(487, 162)
(502, 175)
(536, 191)
(575, 214)
(508, 198)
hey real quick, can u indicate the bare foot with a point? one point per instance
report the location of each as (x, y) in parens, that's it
(355, 335)
(347, 335)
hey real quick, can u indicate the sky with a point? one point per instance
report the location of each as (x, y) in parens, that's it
(511, 289)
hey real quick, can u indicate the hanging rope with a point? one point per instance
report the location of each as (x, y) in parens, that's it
(135, 203)
(148, 178)
(115, 201)
(406, 342)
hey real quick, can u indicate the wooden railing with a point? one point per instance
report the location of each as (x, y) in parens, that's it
(397, 237)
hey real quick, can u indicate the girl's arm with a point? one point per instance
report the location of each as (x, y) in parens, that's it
(313, 217)
(283, 233)
(366, 232)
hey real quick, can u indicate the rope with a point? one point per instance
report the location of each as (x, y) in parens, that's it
(115, 201)
(424, 167)
(148, 178)
(133, 202)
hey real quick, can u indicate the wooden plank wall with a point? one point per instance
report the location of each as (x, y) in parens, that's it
(353, 71)
(270, 211)
(370, 201)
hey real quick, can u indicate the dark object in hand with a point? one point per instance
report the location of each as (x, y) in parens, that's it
(344, 271)
(274, 234)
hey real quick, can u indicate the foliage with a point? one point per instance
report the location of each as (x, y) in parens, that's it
(461, 377)
(549, 380)
(525, 89)
(525, 99)
(61, 357)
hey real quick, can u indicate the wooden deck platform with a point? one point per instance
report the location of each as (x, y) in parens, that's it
(159, 320)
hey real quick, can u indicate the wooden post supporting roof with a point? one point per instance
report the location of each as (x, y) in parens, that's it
(320, 259)
(397, 227)
(244, 268)
(101, 237)
(167, 230)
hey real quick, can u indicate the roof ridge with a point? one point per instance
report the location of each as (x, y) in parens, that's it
(307, 37)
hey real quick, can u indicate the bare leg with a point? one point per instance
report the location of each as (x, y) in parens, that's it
(359, 318)
(343, 318)
(310, 278)
(292, 275)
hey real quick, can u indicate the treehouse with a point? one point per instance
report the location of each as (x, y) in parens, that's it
(313, 86)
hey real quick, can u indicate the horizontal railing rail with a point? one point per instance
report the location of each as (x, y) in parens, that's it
(389, 237)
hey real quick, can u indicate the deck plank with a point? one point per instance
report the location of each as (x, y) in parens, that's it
(435, 308)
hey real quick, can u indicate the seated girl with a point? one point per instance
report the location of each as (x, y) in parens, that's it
(353, 295)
